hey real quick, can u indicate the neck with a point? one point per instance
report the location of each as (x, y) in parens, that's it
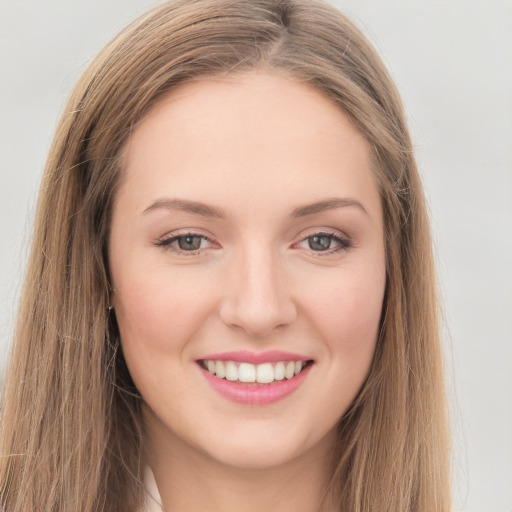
(190, 480)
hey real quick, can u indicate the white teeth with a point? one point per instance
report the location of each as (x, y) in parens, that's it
(220, 371)
(279, 371)
(231, 371)
(246, 372)
(265, 373)
(289, 372)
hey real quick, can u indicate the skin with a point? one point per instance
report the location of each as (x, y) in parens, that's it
(256, 146)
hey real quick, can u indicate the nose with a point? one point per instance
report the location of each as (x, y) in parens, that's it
(257, 297)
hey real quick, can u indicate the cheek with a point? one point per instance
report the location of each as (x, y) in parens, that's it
(343, 311)
(347, 311)
(160, 313)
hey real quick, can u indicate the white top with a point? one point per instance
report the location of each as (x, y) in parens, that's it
(153, 502)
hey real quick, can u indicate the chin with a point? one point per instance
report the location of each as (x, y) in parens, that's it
(252, 457)
(264, 448)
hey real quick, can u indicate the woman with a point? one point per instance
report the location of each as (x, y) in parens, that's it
(230, 300)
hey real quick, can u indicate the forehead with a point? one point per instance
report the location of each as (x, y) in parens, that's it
(240, 135)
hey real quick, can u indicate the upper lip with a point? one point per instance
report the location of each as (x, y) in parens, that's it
(244, 356)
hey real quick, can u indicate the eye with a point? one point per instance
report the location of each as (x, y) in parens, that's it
(320, 242)
(325, 243)
(191, 243)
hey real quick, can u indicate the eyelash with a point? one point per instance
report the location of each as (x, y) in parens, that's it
(344, 244)
(165, 243)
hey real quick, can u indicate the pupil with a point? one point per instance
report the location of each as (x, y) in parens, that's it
(319, 242)
(189, 243)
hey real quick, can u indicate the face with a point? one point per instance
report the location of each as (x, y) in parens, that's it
(247, 258)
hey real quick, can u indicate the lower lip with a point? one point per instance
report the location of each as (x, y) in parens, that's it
(256, 394)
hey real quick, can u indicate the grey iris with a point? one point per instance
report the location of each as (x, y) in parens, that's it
(189, 243)
(319, 242)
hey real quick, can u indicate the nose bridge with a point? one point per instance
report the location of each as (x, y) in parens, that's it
(257, 298)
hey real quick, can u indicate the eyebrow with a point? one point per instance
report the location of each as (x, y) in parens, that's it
(205, 210)
(186, 206)
(326, 204)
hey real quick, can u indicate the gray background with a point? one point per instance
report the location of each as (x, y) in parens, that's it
(452, 61)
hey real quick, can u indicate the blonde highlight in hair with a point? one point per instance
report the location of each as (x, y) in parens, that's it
(71, 432)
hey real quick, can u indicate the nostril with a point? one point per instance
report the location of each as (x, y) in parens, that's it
(258, 319)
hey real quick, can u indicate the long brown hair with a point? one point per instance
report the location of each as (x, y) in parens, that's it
(71, 430)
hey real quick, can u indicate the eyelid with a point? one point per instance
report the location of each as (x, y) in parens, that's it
(344, 242)
(165, 242)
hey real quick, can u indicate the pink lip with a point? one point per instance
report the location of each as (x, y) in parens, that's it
(255, 394)
(244, 356)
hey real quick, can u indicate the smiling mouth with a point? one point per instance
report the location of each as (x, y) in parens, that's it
(254, 374)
